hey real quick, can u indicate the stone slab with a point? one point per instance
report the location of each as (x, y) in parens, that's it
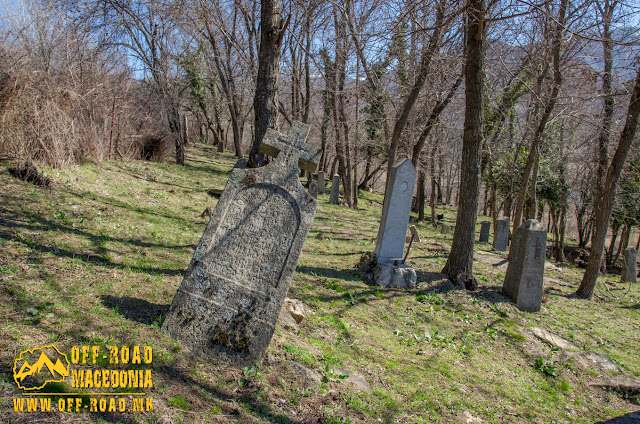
(233, 291)
(396, 211)
(501, 235)
(485, 231)
(523, 282)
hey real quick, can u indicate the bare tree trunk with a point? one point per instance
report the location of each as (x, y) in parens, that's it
(421, 195)
(604, 205)
(265, 104)
(534, 153)
(460, 260)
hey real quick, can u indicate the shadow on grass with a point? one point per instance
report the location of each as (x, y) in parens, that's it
(345, 274)
(630, 418)
(137, 310)
(256, 406)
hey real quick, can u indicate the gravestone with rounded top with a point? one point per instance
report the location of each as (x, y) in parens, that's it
(525, 273)
(501, 235)
(485, 230)
(630, 266)
(395, 212)
(334, 198)
(229, 301)
(390, 271)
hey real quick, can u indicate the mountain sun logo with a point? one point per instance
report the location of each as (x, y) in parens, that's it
(44, 365)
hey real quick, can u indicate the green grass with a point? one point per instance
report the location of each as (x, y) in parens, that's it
(97, 259)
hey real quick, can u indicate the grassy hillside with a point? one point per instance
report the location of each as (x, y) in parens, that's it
(96, 260)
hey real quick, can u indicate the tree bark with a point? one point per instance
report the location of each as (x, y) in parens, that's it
(604, 205)
(460, 260)
(265, 104)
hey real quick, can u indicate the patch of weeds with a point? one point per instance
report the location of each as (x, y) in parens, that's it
(330, 374)
(35, 315)
(546, 367)
(378, 294)
(300, 354)
(498, 312)
(333, 285)
(178, 402)
(337, 420)
(249, 375)
(432, 298)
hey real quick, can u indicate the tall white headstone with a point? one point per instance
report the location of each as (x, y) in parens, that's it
(395, 212)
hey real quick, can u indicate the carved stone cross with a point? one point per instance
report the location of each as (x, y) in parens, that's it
(292, 145)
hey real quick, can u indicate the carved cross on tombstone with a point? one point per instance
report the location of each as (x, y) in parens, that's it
(230, 299)
(293, 145)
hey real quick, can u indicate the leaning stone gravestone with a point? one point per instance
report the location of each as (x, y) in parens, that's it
(321, 184)
(334, 198)
(485, 229)
(630, 266)
(525, 273)
(390, 271)
(229, 301)
(501, 235)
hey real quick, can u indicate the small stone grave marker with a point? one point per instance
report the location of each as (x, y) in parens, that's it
(485, 230)
(525, 273)
(322, 188)
(334, 198)
(501, 235)
(630, 266)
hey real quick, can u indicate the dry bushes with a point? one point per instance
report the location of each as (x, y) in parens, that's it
(64, 99)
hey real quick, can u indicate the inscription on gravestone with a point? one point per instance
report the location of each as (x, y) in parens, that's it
(229, 301)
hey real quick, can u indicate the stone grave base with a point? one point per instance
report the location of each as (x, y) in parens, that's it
(395, 276)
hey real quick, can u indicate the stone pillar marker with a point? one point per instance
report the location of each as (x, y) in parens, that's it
(390, 271)
(334, 198)
(501, 235)
(485, 229)
(525, 273)
(231, 296)
(322, 188)
(630, 266)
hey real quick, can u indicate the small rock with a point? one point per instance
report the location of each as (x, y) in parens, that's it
(395, 276)
(295, 308)
(593, 360)
(628, 385)
(554, 339)
(355, 380)
(307, 377)
(287, 322)
(320, 236)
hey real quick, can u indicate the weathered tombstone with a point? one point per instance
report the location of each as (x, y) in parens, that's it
(389, 271)
(445, 229)
(313, 190)
(485, 229)
(321, 184)
(229, 301)
(630, 267)
(334, 199)
(525, 273)
(501, 235)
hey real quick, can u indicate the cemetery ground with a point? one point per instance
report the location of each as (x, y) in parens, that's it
(97, 258)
